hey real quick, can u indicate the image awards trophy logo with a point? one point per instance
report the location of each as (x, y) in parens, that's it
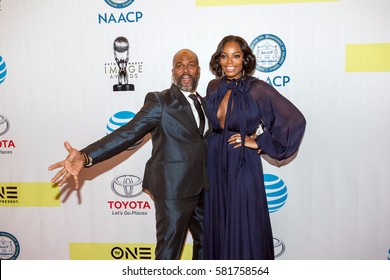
(121, 54)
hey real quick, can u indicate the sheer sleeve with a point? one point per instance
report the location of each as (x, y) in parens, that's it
(212, 88)
(283, 124)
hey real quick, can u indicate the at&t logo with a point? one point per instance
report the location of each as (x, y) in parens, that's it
(120, 119)
(3, 70)
(276, 192)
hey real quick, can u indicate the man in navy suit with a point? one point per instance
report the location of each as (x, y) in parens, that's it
(175, 175)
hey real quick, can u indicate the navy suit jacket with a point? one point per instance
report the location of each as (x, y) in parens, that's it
(177, 167)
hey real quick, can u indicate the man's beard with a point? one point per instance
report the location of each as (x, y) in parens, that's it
(190, 88)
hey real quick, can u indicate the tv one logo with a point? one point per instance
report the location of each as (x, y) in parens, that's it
(133, 253)
(8, 193)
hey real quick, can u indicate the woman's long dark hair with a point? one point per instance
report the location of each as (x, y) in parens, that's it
(249, 60)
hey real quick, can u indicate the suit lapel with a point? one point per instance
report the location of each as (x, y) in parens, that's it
(184, 102)
(187, 108)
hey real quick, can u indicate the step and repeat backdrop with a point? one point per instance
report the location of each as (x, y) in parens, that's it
(75, 70)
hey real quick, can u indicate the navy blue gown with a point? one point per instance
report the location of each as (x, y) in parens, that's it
(237, 221)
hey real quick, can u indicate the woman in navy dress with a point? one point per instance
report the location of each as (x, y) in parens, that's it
(237, 221)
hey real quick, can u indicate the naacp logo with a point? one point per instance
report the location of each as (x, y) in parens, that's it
(119, 4)
(120, 17)
(9, 246)
(276, 192)
(270, 52)
(127, 186)
(4, 125)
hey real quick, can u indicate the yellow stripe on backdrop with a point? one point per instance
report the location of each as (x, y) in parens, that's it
(367, 57)
(118, 251)
(210, 3)
(31, 194)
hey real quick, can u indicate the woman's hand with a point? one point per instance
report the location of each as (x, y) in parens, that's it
(236, 140)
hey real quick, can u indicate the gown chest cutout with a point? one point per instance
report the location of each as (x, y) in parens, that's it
(222, 108)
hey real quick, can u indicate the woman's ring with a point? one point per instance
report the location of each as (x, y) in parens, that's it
(238, 140)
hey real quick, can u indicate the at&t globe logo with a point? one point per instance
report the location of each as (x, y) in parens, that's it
(276, 192)
(119, 119)
(270, 52)
(3, 70)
